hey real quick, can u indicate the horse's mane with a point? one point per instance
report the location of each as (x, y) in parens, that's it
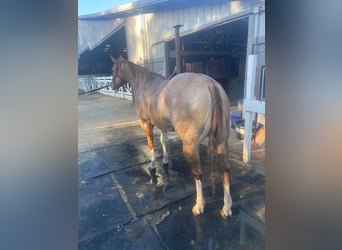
(143, 70)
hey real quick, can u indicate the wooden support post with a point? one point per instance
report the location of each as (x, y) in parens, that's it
(250, 86)
(177, 45)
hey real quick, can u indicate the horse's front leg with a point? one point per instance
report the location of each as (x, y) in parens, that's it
(148, 129)
(163, 141)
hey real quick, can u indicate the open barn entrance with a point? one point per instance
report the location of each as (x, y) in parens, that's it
(219, 52)
(97, 61)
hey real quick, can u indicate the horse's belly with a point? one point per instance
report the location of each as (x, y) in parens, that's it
(164, 125)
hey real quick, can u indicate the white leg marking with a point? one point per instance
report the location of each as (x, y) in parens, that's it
(152, 159)
(163, 141)
(199, 206)
(227, 199)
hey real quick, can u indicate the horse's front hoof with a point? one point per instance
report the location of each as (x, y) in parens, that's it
(165, 161)
(197, 211)
(227, 214)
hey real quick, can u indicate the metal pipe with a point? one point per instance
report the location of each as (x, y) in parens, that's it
(177, 48)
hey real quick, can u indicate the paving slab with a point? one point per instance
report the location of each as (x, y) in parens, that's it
(91, 165)
(100, 207)
(252, 216)
(126, 154)
(136, 235)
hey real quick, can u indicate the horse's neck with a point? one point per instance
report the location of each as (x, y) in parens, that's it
(137, 76)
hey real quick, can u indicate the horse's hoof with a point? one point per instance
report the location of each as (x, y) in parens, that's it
(197, 211)
(226, 215)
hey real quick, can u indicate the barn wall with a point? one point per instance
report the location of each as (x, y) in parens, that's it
(145, 33)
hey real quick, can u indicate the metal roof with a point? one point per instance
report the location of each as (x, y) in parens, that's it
(94, 29)
(92, 33)
(139, 7)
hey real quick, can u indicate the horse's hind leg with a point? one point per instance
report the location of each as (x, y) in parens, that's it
(192, 156)
(224, 166)
(148, 129)
(226, 211)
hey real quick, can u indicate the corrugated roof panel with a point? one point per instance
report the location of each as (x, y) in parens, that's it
(140, 7)
(92, 32)
(126, 10)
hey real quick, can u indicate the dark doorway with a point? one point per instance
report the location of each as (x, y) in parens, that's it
(97, 61)
(219, 52)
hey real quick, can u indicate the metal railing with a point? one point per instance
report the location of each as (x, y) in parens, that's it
(102, 84)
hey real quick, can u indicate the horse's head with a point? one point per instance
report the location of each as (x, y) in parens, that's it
(117, 80)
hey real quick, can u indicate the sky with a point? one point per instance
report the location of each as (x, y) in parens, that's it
(93, 6)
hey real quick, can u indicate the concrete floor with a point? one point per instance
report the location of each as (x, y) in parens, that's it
(124, 206)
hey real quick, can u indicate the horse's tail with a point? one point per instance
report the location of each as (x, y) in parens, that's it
(215, 132)
(216, 125)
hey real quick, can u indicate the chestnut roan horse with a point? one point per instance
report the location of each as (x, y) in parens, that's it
(193, 105)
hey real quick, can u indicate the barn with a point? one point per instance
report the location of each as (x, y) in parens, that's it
(223, 38)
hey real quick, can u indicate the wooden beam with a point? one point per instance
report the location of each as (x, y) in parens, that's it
(254, 106)
(178, 49)
(191, 53)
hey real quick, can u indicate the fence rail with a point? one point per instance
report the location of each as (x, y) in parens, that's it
(102, 84)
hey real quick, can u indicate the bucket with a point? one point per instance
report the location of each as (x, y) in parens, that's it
(240, 129)
(235, 116)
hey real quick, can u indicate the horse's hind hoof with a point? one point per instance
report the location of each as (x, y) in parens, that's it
(197, 211)
(226, 215)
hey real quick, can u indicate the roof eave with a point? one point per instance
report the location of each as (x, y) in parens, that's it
(126, 10)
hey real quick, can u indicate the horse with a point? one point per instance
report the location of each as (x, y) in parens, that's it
(193, 105)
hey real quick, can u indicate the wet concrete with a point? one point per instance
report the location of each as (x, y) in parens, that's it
(124, 205)
(136, 235)
(100, 208)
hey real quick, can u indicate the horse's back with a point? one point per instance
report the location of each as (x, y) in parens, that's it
(188, 93)
(194, 88)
